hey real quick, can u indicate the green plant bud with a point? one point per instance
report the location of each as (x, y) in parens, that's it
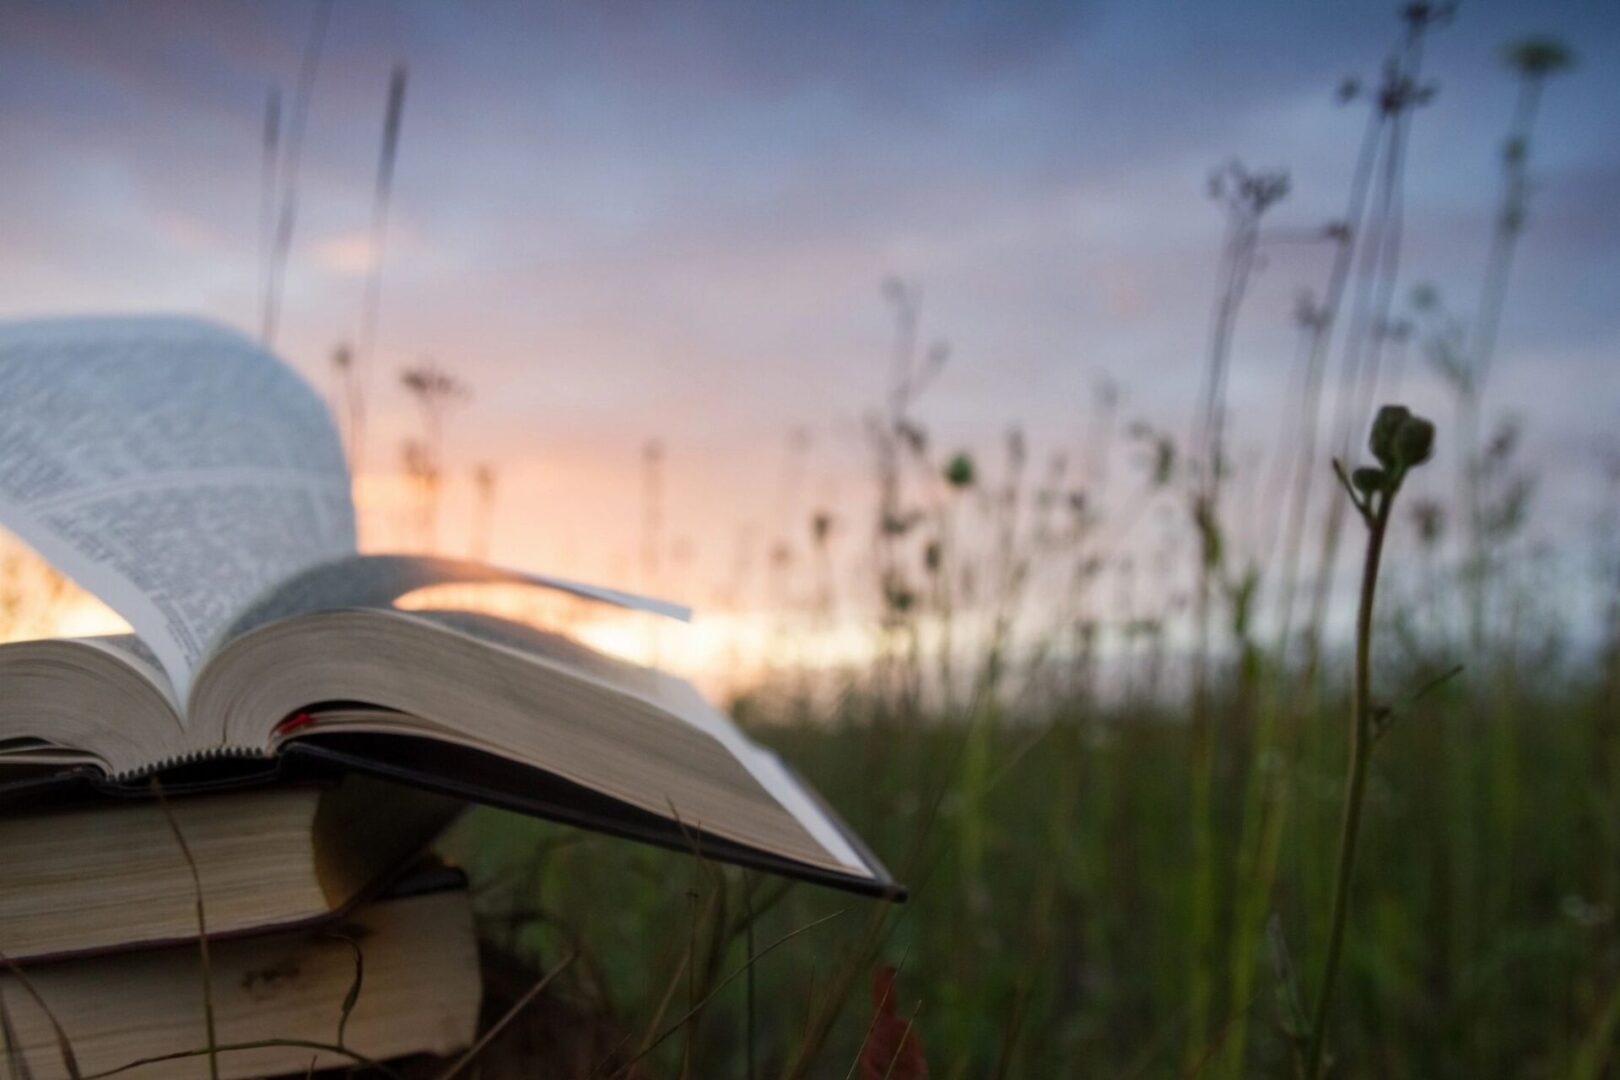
(1384, 428)
(1368, 479)
(1414, 442)
(959, 471)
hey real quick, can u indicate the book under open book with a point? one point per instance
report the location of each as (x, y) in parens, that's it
(197, 485)
(96, 875)
(276, 1000)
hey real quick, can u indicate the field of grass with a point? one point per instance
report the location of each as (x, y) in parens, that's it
(1052, 928)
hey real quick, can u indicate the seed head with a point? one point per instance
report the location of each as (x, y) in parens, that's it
(959, 471)
(1414, 442)
(1381, 442)
(1538, 57)
(1400, 440)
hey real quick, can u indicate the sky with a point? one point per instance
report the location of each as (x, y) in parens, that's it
(622, 222)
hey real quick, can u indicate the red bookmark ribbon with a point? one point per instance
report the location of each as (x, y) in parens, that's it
(295, 721)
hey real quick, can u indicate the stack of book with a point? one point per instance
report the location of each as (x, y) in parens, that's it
(309, 733)
(308, 892)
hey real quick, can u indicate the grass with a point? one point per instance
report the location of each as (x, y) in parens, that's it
(1067, 950)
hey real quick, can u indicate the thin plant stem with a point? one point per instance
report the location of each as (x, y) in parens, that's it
(64, 1045)
(1380, 252)
(202, 928)
(1482, 339)
(270, 149)
(1361, 745)
(1247, 197)
(460, 1064)
(371, 305)
(257, 1044)
(748, 906)
(697, 1007)
(292, 154)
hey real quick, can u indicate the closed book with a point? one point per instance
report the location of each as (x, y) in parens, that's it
(278, 999)
(100, 874)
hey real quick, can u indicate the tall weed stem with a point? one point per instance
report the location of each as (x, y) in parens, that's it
(1400, 441)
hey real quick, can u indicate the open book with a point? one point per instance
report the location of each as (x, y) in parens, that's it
(197, 485)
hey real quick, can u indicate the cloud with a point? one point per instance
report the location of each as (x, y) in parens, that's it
(622, 220)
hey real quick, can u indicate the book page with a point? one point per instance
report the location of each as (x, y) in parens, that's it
(677, 699)
(171, 467)
(357, 581)
(135, 653)
(682, 699)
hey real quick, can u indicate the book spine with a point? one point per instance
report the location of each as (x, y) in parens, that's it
(190, 757)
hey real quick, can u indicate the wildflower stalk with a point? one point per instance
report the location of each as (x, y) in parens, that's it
(1356, 787)
(287, 177)
(1400, 441)
(1245, 196)
(1533, 60)
(1399, 92)
(371, 305)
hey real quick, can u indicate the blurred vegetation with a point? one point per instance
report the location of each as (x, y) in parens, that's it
(1050, 922)
(1105, 728)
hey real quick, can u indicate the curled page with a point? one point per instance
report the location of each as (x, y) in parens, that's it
(379, 580)
(171, 467)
